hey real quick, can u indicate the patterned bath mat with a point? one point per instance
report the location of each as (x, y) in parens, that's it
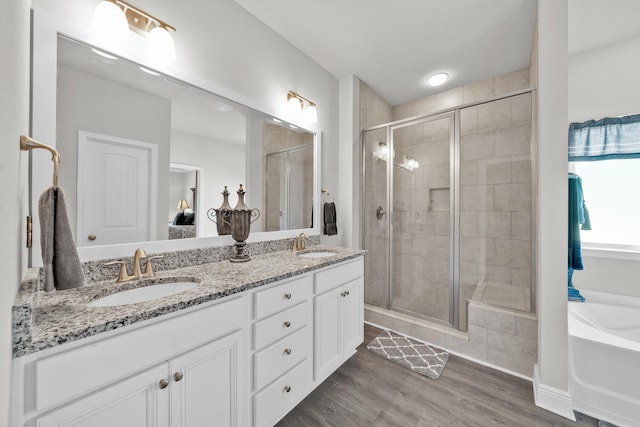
(415, 355)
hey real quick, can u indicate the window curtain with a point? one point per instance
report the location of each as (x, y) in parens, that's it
(605, 139)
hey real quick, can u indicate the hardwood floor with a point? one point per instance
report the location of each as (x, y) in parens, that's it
(370, 391)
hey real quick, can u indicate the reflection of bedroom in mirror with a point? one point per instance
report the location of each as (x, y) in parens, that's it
(183, 201)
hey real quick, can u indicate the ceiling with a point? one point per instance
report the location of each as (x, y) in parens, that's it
(393, 45)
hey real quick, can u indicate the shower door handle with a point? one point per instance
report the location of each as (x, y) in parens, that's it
(380, 212)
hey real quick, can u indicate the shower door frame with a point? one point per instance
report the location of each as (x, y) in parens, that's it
(454, 211)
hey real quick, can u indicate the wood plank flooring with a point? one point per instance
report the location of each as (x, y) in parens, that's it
(370, 391)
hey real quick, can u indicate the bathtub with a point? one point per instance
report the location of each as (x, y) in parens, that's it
(604, 357)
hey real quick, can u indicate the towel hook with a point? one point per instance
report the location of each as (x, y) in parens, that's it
(28, 144)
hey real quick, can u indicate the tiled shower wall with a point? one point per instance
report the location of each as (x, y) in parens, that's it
(495, 201)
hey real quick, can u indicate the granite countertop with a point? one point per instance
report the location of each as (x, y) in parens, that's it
(42, 320)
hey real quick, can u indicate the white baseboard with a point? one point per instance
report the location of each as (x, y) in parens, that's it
(552, 399)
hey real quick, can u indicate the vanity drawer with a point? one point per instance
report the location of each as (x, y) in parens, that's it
(282, 296)
(279, 357)
(275, 401)
(339, 275)
(273, 328)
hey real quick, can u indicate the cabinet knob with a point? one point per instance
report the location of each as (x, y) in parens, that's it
(287, 324)
(91, 237)
(287, 388)
(178, 376)
(347, 293)
(287, 351)
(287, 296)
(342, 294)
(163, 384)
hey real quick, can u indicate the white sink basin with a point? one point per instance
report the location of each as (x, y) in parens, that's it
(143, 294)
(316, 254)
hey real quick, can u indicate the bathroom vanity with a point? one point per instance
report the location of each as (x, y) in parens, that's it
(242, 348)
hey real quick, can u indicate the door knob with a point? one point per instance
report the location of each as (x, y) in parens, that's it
(163, 384)
(380, 212)
(178, 376)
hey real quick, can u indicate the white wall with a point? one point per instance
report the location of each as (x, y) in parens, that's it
(14, 120)
(603, 82)
(222, 164)
(551, 376)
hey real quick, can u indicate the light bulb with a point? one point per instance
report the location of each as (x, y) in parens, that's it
(293, 105)
(310, 114)
(110, 23)
(161, 45)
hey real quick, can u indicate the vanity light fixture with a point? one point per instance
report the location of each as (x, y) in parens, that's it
(112, 18)
(438, 79)
(297, 103)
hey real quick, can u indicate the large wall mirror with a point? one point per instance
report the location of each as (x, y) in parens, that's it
(146, 155)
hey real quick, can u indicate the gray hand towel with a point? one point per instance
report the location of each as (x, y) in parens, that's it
(62, 268)
(330, 226)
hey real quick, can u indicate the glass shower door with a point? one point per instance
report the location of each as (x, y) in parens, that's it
(422, 221)
(375, 217)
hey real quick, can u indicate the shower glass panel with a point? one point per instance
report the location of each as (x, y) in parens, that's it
(422, 182)
(288, 177)
(375, 217)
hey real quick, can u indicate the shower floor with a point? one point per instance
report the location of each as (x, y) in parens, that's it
(503, 295)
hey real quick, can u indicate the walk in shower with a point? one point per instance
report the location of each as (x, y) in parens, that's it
(447, 211)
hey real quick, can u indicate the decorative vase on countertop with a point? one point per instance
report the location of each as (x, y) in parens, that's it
(241, 219)
(221, 216)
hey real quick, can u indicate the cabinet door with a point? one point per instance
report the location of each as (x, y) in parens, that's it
(352, 316)
(137, 402)
(207, 384)
(328, 334)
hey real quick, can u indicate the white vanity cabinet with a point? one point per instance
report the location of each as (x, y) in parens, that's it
(339, 316)
(186, 370)
(283, 348)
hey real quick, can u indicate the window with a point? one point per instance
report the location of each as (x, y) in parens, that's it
(612, 196)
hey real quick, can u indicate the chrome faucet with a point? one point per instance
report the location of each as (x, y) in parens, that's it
(124, 276)
(298, 243)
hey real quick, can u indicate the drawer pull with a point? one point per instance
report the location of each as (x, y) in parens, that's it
(287, 324)
(287, 388)
(178, 376)
(163, 384)
(287, 296)
(287, 351)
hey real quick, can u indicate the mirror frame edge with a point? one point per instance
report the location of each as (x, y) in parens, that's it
(45, 29)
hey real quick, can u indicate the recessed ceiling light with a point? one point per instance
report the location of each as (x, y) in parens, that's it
(438, 79)
(276, 120)
(221, 106)
(293, 127)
